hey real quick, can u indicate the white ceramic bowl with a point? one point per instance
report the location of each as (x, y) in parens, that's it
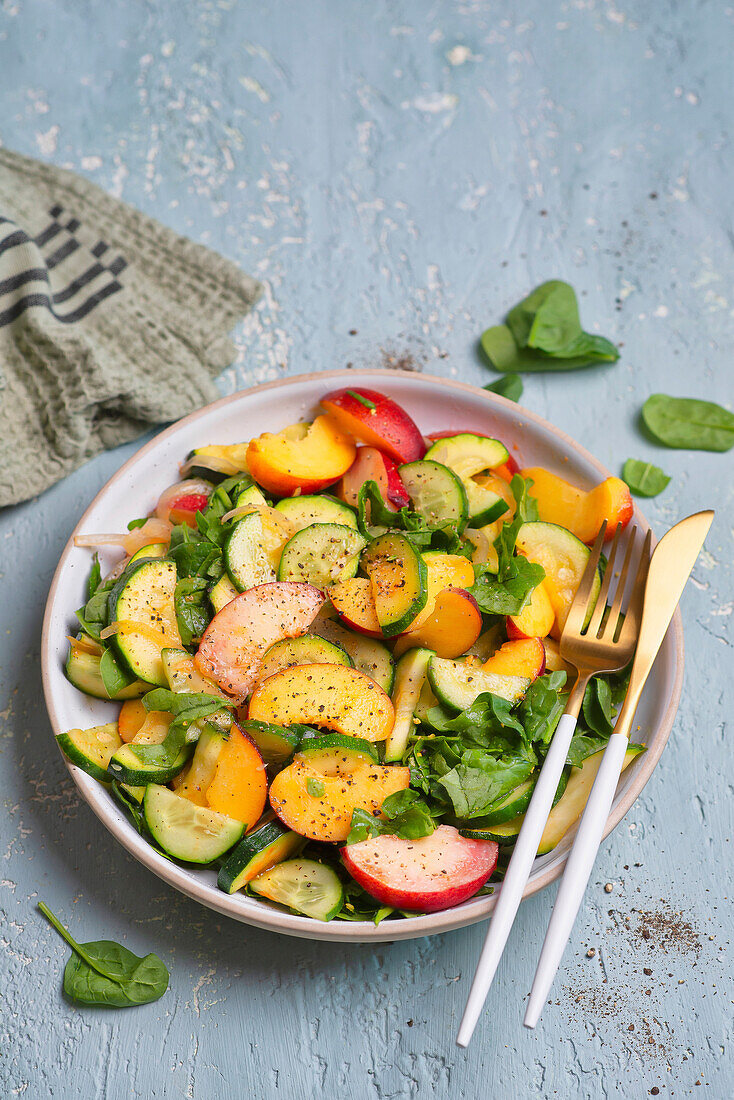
(435, 404)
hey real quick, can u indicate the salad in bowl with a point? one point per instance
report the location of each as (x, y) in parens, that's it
(335, 653)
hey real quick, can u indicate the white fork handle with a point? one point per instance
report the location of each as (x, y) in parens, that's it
(576, 875)
(513, 885)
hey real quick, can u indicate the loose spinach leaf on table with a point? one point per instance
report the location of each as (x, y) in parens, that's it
(103, 972)
(543, 333)
(644, 479)
(689, 424)
(405, 815)
(509, 386)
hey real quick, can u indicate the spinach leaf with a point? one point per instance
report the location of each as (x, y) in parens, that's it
(135, 523)
(193, 613)
(584, 744)
(192, 554)
(509, 386)
(188, 709)
(114, 677)
(543, 332)
(689, 424)
(507, 591)
(480, 779)
(644, 479)
(95, 577)
(103, 972)
(405, 815)
(540, 709)
(93, 617)
(488, 722)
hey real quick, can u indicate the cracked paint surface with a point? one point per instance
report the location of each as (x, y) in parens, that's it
(407, 171)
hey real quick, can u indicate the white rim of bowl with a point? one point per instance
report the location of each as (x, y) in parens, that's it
(259, 914)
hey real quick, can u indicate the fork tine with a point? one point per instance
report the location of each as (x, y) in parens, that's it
(610, 626)
(577, 614)
(601, 601)
(631, 624)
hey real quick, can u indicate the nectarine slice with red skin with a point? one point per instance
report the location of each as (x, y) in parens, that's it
(355, 605)
(454, 625)
(239, 788)
(377, 420)
(536, 619)
(425, 875)
(333, 697)
(236, 639)
(518, 658)
(581, 512)
(302, 458)
(373, 465)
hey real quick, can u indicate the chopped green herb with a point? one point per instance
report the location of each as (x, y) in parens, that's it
(315, 788)
(362, 400)
(644, 479)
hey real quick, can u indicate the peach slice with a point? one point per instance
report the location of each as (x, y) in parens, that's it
(132, 717)
(555, 663)
(333, 697)
(355, 605)
(519, 658)
(536, 619)
(580, 512)
(377, 420)
(239, 788)
(372, 465)
(454, 626)
(236, 639)
(302, 458)
(444, 571)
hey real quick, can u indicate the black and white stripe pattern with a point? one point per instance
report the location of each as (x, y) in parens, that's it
(30, 261)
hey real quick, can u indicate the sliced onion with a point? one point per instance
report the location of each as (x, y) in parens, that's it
(99, 540)
(153, 530)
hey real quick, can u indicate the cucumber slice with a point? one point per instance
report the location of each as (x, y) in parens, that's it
(436, 492)
(222, 593)
(128, 793)
(564, 559)
(251, 497)
(308, 649)
(245, 555)
(321, 750)
(194, 782)
(303, 511)
(457, 684)
(410, 676)
(145, 596)
(91, 750)
(321, 554)
(183, 676)
(501, 834)
(303, 885)
(257, 852)
(468, 455)
(399, 578)
(145, 553)
(186, 831)
(426, 700)
(82, 670)
(367, 654)
(127, 768)
(276, 744)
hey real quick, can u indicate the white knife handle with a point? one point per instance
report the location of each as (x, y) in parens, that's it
(518, 872)
(576, 875)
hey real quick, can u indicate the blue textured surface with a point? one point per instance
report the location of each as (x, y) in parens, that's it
(406, 170)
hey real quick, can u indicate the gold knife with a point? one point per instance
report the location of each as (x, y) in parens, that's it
(670, 567)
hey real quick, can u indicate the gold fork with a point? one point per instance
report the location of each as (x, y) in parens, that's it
(605, 645)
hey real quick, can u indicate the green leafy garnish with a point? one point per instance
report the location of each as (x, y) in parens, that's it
(114, 677)
(193, 613)
(509, 386)
(103, 972)
(543, 332)
(188, 709)
(689, 424)
(405, 815)
(315, 787)
(135, 523)
(95, 577)
(644, 479)
(507, 591)
(362, 400)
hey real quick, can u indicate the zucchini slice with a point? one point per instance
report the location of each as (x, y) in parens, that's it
(321, 554)
(187, 831)
(303, 885)
(324, 751)
(304, 511)
(468, 455)
(564, 559)
(457, 684)
(145, 596)
(256, 853)
(193, 783)
(398, 576)
(308, 649)
(245, 554)
(92, 749)
(410, 676)
(222, 592)
(145, 553)
(125, 766)
(183, 676)
(436, 492)
(367, 654)
(82, 670)
(276, 744)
